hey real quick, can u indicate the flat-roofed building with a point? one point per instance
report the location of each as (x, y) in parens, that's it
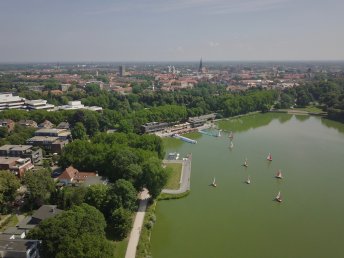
(51, 144)
(38, 104)
(200, 120)
(62, 134)
(8, 101)
(22, 151)
(19, 248)
(75, 105)
(16, 165)
(153, 127)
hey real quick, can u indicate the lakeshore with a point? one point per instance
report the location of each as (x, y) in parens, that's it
(243, 220)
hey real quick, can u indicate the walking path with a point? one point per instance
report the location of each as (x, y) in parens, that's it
(136, 230)
(185, 176)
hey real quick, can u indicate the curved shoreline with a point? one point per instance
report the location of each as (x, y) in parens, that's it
(184, 178)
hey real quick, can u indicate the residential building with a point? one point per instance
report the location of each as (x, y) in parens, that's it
(49, 143)
(62, 134)
(38, 104)
(8, 101)
(28, 123)
(16, 165)
(30, 222)
(22, 151)
(63, 125)
(8, 123)
(72, 175)
(19, 248)
(46, 124)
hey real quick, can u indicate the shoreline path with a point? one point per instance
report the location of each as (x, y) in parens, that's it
(144, 198)
(136, 230)
(184, 178)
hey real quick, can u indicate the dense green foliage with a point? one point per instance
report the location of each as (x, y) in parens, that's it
(78, 232)
(9, 184)
(40, 186)
(128, 112)
(329, 94)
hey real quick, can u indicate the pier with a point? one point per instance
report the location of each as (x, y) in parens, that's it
(215, 134)
(185, 139)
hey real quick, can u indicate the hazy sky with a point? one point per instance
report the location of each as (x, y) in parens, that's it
(170, 30)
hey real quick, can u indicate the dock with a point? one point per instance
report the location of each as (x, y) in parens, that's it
(185, 139)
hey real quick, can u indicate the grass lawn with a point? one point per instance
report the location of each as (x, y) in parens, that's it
(174, 177)
(312, 109)
(10, 222)
(121, 248)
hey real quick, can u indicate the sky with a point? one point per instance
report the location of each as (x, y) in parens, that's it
(170, 30)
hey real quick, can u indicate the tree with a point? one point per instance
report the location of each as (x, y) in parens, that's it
(9, 184)
(120, 222)
(39, 185)
(154, 177)
(79, 131)
(78, 232)
(97, 196)
(122, 194)
(71, 196)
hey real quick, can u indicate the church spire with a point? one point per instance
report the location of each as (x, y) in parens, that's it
(200, 69)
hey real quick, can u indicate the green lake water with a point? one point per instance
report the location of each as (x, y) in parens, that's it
(243, 221)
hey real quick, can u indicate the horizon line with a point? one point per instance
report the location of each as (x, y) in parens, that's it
(170, 61)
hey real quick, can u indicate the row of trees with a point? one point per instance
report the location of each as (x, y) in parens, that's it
(329, 94)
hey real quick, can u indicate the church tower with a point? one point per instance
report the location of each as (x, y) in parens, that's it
(200, 69)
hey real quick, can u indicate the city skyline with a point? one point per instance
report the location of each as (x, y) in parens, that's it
(150, 30)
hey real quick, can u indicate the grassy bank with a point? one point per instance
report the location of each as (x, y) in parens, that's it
(165, 196)
(9, 222)
(173, 181)
(143, 248)
(121, 248)
(311, 109)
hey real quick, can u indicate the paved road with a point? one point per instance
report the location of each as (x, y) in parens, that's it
(185, 177)
(136, 230)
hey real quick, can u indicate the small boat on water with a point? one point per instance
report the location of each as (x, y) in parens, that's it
(278, 197)
(245, 163)
(230, 136)
(213, 183)
(269, 158)
(248, 181)
(231, 145)
(279, 174)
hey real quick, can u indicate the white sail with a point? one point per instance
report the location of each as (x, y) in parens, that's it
(278, 196)
(269, 157)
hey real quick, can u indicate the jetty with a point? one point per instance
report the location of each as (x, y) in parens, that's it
(185, 139)
(210, 133)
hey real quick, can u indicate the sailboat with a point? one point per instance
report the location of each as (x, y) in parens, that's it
(230, 136)
(214, 183)
(279, 174)
(231, 145)
(278, 197)
(245, 163)
(248, 181)
(269, 158)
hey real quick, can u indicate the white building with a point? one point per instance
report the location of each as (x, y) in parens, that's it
(74, 105)
(8, 101)
(38, 104)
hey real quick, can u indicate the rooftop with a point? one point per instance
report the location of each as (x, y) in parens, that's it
(15, 147)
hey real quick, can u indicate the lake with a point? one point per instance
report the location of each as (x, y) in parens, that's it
(243, 221)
